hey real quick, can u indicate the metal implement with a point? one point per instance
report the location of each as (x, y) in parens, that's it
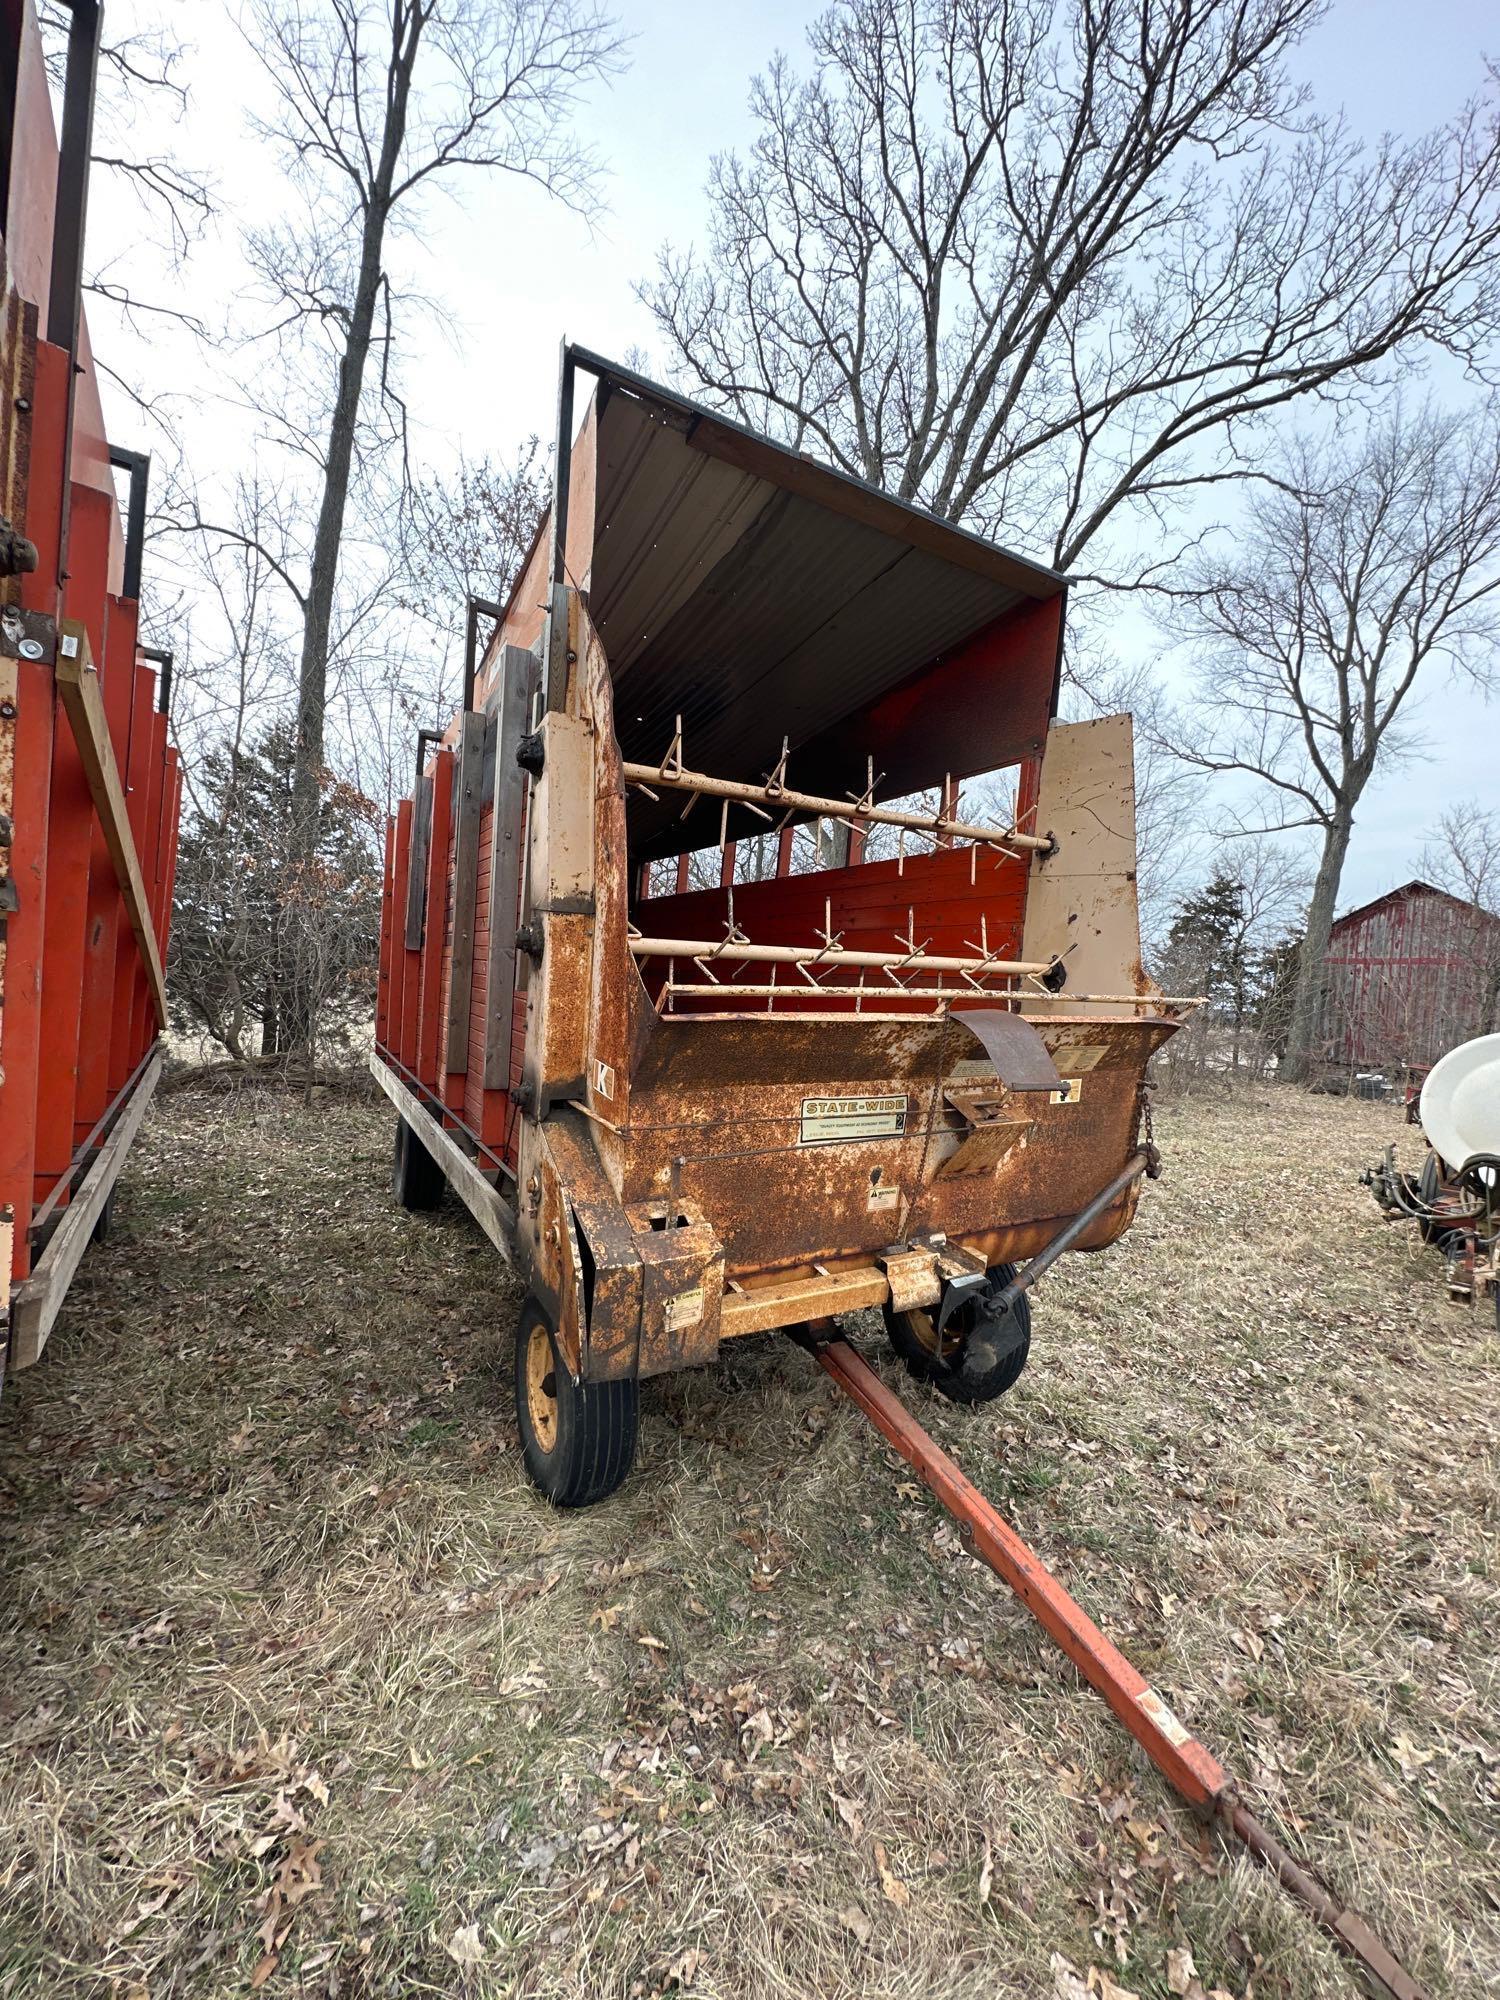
(1188, 1766)
(1138, 1164)
(926, 1035)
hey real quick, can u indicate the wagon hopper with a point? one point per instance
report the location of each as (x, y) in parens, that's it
(698, 982)
(89, 785)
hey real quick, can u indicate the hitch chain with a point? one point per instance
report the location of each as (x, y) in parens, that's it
(1148, 1135)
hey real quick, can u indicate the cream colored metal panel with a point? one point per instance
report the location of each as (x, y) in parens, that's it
(1081, 901)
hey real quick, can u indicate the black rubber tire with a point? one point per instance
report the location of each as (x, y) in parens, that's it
(966, 1371)
(1428, 1181)
(416, 1178)
(104, 1221)
(591, 1446)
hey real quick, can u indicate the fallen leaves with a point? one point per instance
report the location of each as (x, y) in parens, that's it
(464, 1947)
(299, 1876)
(891, 1886)
(856, 1923)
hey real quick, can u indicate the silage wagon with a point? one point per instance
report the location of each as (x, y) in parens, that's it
(885, 1053)
(89, 785)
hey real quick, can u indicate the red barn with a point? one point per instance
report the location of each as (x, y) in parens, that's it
(1407, 977)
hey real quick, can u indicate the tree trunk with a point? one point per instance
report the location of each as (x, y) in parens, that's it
(317, 626)
(1307, 1005)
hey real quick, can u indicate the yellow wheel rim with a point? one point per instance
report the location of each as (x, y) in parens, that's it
(923, 1327)
(541, 1388)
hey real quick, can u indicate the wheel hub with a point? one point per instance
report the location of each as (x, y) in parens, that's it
(541, 1388)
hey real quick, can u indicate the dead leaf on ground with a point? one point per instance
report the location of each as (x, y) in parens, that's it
(891, 1886)
(1182, 1974)
(856, 1923)
(464, 1947)
(1067, 1980)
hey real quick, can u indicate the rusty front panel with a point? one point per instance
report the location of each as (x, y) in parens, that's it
(612, 1288)
(611, 1030)
(633, 1291)
(730, 1099)
(682, 1286)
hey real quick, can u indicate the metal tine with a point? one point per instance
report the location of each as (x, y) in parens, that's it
(672, 762)
(831, 939)
(640, 785)
(708, 972)
(866, 800)
(913, 950)
(983, 948)
(776, 780)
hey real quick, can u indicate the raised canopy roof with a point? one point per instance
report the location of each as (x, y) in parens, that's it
(760, 595)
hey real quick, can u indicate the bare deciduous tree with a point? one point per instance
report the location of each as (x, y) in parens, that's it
(1374, 563)
(379, 101)
(1039, 263)
(140, 95)
(1465, 860)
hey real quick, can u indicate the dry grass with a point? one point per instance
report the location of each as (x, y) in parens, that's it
(292, 1656)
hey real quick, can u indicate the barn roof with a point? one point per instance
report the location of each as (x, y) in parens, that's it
(1407, 890)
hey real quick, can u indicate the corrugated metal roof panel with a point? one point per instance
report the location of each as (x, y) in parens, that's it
(758, 610)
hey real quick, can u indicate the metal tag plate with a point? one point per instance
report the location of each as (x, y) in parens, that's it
(837, 1121)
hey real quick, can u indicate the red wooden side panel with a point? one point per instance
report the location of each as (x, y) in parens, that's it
(944, 894)
(20, 1041)
(479, 992)
(122, 1058)
(395, 919)
(383, 977)
(71, 813)
(431, 1006)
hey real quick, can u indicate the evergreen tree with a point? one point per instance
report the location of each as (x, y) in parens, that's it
(252, 923)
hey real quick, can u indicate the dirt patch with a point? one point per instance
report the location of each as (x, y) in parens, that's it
(302, 1687)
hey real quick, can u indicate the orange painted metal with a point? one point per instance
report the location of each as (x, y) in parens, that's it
(77, 1013)
(1191, 1770)
(1194, 1773)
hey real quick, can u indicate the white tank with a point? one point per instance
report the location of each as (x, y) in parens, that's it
(1460, 1107)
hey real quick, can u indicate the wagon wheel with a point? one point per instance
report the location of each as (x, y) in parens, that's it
(1429, 1181)
(979, 1354)
(577, 1438)
(104, 1221)
(416, 1176)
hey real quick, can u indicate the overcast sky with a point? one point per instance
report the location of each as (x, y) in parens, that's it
(512, 272)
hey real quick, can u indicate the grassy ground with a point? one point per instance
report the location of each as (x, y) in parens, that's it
(301, 1688)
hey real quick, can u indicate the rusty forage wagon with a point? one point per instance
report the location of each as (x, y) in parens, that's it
(710, 1036)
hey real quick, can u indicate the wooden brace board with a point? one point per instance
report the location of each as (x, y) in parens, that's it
(37, 1300)
(489, 1209)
